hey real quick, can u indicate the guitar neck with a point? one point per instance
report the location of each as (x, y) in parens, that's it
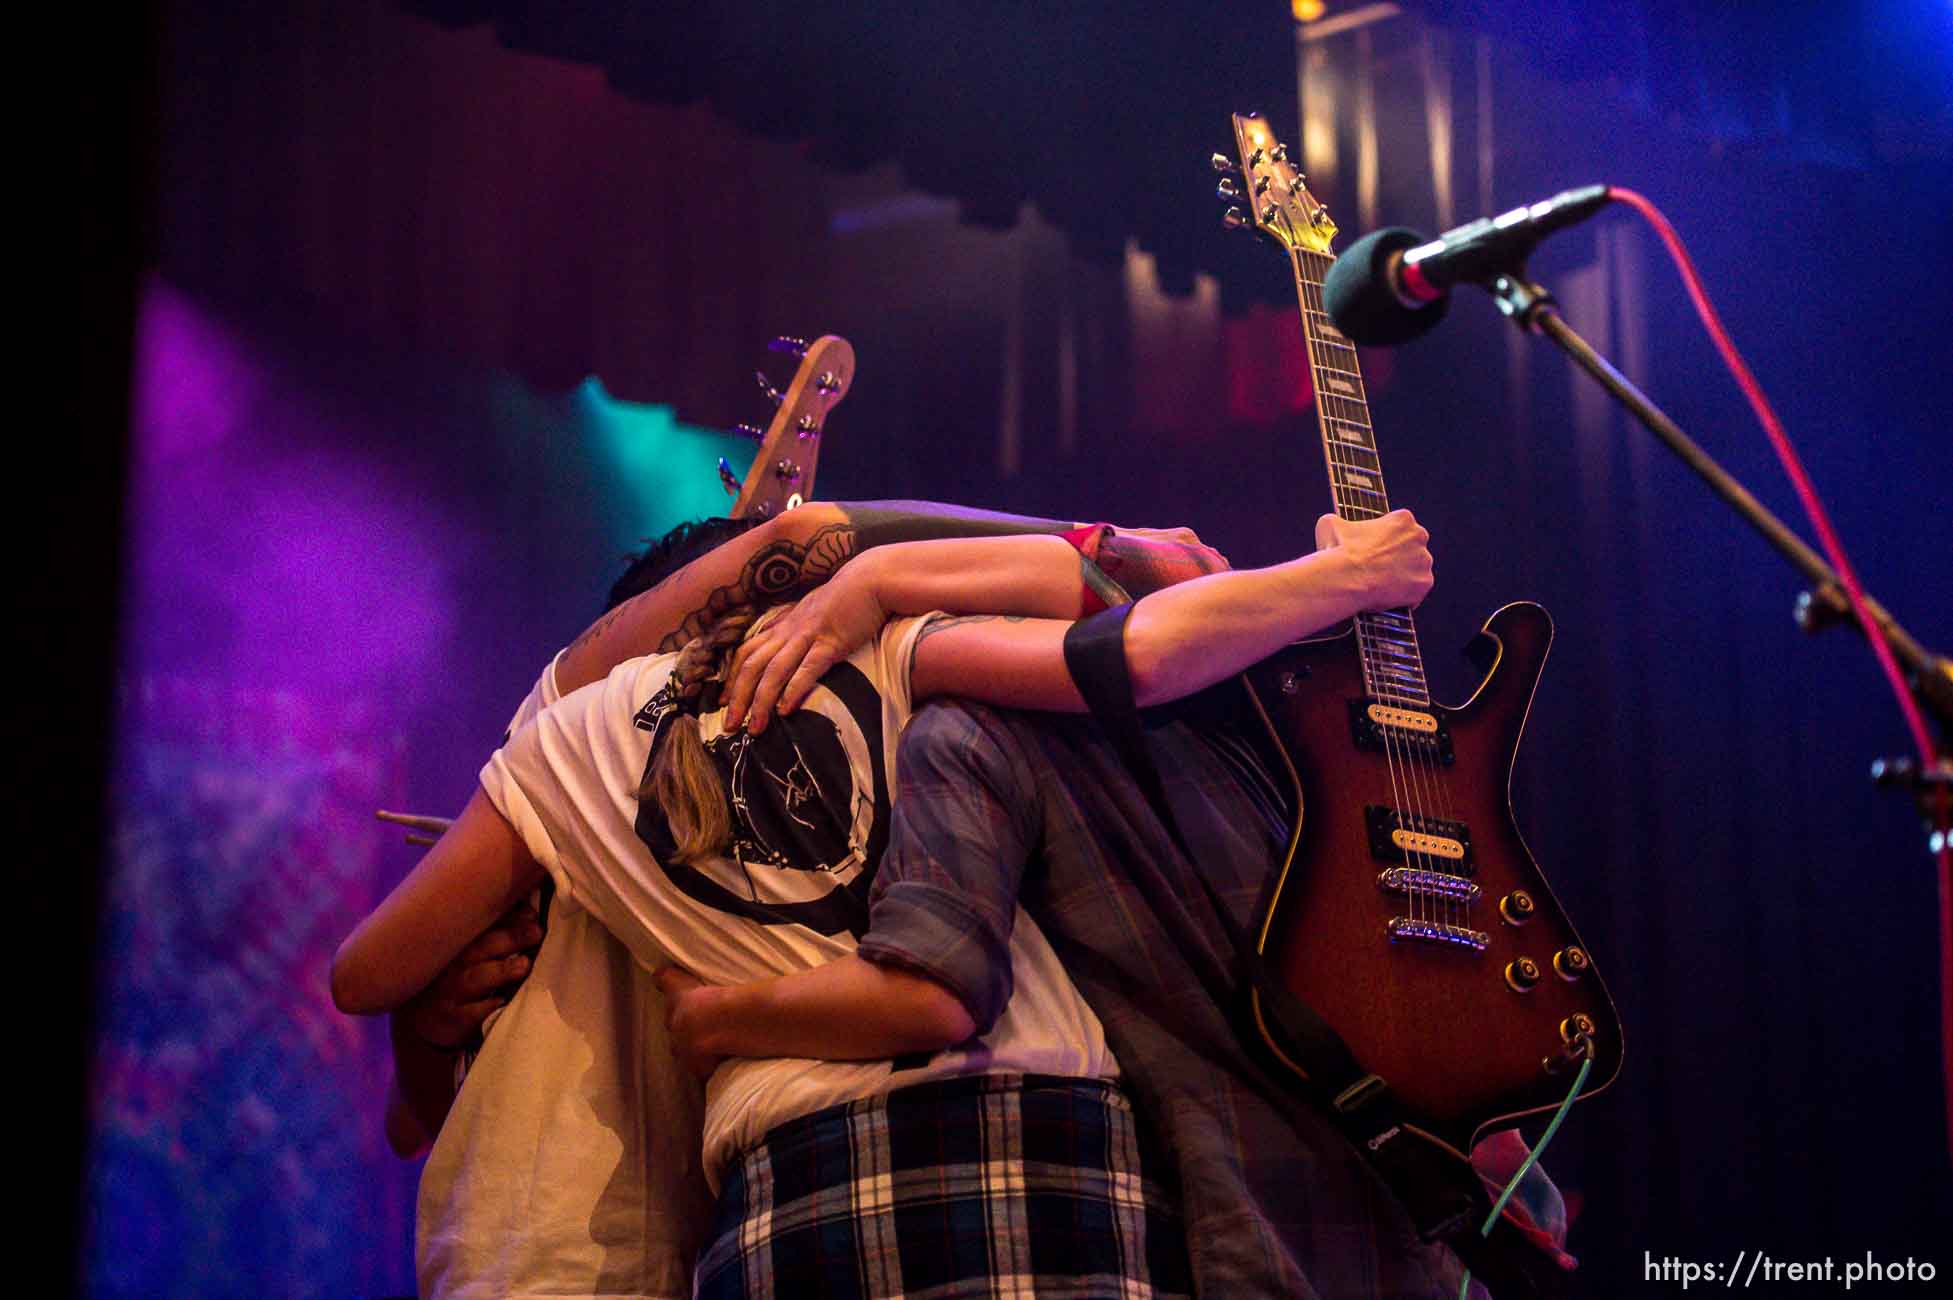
(1393, 664)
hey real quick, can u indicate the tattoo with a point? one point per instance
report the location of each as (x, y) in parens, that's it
(611, 615)
(946, 621)
(777, 571)
(884, 523)
(943, 622)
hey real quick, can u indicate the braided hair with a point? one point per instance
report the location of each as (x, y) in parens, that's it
(682, 778)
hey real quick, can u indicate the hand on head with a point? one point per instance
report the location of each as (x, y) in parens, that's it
(773, 669)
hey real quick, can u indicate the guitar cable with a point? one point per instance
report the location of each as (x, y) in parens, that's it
(1532, 1158)
(1793, 467)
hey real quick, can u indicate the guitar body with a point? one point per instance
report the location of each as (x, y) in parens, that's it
(1460, 1034)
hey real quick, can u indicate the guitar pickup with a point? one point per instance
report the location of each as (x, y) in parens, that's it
(1413, 734)
(1419, 840)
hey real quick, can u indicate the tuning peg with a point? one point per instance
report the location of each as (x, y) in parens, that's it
(790, 346)
(727, 479)
(787, 472)
(1222, 163)
(766, 386)
(752, 431)
(1280, 154)
(1233, 219)
(807, 427)
(828, 382)
(1227, 189)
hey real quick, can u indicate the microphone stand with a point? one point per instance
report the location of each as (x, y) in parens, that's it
(1930, 676)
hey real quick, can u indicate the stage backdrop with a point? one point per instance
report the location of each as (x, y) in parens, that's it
(435, 331)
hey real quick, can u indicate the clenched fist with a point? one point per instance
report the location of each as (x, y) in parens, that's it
(1391, 556)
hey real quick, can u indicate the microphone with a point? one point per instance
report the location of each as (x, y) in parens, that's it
(1393, 285)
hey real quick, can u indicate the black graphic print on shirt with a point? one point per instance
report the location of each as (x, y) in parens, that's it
(809, 803)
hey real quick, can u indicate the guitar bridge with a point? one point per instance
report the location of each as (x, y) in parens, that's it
(1428, 884)
(1454, 936)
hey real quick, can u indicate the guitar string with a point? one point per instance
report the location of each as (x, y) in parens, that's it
(1406, 791)
(1385, 675)
(1427, 768)
(1406, 796)
(1348, 509)
(1385, 631)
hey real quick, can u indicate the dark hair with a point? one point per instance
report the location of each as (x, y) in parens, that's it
(672, 552)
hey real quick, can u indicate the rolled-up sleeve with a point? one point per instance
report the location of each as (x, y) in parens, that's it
(961, 832)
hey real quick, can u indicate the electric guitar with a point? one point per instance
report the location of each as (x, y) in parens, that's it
(1409, 913)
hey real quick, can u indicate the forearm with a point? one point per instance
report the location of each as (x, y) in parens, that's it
(846, 1010)
(474, 873)
(1190, 636)
(887, 523)
(780, 558)
(1035, 577)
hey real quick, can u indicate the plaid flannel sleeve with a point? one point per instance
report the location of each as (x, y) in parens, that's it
(964, 820)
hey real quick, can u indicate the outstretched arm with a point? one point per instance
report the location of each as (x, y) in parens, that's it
(1014, 599)
(1189, 636)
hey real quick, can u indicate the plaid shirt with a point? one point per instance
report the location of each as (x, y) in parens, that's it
(995, 808)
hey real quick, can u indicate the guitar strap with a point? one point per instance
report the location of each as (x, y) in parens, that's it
(1441, 1192)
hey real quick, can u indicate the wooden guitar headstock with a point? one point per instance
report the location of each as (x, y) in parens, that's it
(782, 473)
(1270, 188)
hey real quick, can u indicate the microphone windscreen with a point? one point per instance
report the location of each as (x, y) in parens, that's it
(1359, 299)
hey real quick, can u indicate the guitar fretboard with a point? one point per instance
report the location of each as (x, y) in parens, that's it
(1393, 665)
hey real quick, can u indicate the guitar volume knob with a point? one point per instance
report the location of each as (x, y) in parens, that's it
(1517, 907)
(1521, 973)
(1570, 963)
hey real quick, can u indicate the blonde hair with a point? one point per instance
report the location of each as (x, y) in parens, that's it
(683, 780)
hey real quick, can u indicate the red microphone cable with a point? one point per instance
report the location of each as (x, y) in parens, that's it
(1834, 551)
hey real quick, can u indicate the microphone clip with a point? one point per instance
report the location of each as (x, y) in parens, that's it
(1521, 299)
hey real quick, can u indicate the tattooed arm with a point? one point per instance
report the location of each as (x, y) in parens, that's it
(780, 559)
(777, 560)
(778, 665)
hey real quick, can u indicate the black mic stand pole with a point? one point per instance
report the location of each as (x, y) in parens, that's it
(1930, 676)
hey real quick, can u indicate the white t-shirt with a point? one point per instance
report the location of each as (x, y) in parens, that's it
(810, 802)
(569, 1164)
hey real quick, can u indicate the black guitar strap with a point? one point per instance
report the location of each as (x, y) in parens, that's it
(1441, 1192)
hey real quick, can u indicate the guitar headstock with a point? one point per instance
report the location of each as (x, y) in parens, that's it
(782, 473)
(1270, 188)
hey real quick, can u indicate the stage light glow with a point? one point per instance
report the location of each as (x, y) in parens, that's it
(661, 471)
